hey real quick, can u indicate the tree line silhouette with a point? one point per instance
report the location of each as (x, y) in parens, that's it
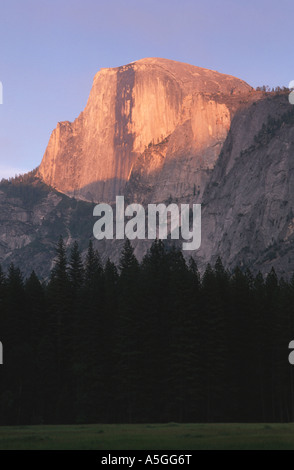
(144, 342)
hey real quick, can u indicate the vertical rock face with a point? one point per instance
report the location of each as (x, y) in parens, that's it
(140, 105)
(247, 215)
(158, 131)
(186, 156)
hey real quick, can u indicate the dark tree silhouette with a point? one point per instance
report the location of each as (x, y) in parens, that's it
(145, 342)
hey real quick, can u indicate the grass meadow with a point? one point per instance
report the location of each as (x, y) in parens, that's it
(170, 436)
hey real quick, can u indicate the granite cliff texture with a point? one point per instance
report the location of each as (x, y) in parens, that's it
(247, 197)
(248, 204)
(32, 217)
(161, 131)
(136, 106)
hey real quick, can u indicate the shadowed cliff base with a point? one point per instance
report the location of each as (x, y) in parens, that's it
(100, 191)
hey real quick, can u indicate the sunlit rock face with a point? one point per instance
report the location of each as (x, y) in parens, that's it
(159, 131)
(177, 113)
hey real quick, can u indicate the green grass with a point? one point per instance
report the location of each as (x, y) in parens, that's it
(171, 436)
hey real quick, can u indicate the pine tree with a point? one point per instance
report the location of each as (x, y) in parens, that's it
(241, 341)
(59, 310)
(272, 330)
(209, 342)
(16, 340)
(59, 273)
(93, 268)
(90, 398)
(179, 326)
(154, 311)
(38, 331)
(76, 270)
(129, 331)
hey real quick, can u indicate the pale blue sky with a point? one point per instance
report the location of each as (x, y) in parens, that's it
(50, 51)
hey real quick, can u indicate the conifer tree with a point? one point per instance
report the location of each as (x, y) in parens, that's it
(59, 310)
(130, 330)
(76, 270)
(93, 268)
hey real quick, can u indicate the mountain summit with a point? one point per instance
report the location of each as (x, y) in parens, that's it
(159, 131)
(133, 107)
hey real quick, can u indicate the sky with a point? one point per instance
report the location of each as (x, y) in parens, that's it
(50, 51)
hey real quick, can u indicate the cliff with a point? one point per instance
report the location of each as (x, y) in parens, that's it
(161, 131)
(136, 106)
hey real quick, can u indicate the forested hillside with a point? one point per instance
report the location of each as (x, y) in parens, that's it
(144, 342)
